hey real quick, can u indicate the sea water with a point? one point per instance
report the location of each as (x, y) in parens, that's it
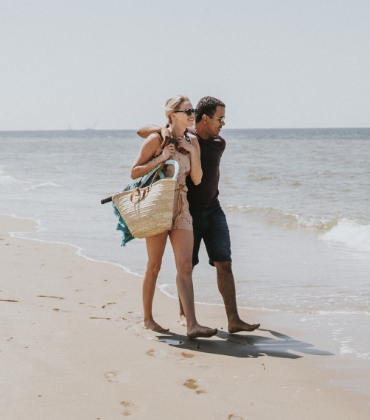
(297, 203)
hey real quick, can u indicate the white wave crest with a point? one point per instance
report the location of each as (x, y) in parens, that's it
(349, 233)
(286, 219)
(43, 185)
(9, 180)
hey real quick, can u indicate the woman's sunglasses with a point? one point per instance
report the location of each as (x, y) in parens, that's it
(187, 111)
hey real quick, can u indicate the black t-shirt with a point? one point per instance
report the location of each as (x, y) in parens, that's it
(205, 194)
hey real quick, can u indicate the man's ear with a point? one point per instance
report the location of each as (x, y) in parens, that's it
(204, 118)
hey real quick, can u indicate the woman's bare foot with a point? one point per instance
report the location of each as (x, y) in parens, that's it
(200, 331)
(241, 326)
(152, 325)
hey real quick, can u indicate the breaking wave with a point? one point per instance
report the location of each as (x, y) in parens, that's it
(350, 233)
(286, 219)
(7, 180)
(44, 185)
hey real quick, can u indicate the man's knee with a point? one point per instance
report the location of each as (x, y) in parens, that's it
(223, 267)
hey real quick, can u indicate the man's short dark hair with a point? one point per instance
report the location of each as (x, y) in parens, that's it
(207, 105)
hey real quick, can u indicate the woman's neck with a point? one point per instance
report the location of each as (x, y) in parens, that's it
(177, 130)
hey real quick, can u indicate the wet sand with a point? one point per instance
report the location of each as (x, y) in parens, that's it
(73, 346)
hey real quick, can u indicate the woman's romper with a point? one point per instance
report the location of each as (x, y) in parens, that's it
(181, 215)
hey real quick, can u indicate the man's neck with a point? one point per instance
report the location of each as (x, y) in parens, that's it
(202, 132)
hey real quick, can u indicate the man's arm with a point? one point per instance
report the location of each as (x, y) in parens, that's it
(147, 130)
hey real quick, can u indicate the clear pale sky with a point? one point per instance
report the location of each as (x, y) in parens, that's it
(111, 64)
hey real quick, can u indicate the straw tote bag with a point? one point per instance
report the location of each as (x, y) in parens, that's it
(148, 211)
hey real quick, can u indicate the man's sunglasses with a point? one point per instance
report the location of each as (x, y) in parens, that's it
(221, 119)
(187, 111)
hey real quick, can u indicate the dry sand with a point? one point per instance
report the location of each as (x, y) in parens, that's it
(72, 347)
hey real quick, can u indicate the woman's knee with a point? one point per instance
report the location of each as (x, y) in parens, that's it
(154, 266)
(185, 268)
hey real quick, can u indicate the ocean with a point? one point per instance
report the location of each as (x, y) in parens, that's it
(297, 202)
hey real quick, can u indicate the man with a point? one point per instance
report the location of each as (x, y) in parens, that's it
(209, 221)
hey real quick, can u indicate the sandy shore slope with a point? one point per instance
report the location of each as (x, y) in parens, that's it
(72, 347)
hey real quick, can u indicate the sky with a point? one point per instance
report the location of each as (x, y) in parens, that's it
(112, 64)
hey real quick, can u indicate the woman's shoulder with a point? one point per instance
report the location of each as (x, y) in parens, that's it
(153, 139)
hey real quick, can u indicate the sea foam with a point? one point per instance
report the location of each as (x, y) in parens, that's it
(44, 185)
(7, 180)
(349, 233)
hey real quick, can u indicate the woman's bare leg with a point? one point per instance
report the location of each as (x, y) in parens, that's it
(155, 246)
(182, 244)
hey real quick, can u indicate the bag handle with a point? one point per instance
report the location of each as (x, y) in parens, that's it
(141, 194)
(148, 175)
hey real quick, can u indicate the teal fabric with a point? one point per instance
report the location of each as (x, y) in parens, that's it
(145, 181)
(126, 234)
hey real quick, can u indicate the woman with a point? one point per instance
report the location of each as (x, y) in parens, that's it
(184, 148)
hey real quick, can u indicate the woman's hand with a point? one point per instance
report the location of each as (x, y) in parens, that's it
(183, 144)
(168, 151)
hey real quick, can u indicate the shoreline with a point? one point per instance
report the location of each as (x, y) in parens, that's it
(161, 287)
(73, 346)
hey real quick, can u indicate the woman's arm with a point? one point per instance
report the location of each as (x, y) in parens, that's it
(145, 161)
(196, 172)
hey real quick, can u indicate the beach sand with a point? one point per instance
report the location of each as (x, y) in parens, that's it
(73, 347)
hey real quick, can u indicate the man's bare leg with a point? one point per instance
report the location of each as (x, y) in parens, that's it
(226, 286)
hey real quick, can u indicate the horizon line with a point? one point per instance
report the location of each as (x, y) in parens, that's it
(226, 128)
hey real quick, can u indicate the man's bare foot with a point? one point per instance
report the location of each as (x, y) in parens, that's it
(200, 331)
(241, 326)
(182, 320)
(152, 325)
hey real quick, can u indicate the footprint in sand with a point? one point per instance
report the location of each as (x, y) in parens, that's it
(135, 329)
(134, 317)
(140, 331)
(156, 353)
(117, 377)
(192, 384)
(187, 355)
(130, 408)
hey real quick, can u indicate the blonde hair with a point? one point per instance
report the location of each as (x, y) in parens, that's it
(173, 104)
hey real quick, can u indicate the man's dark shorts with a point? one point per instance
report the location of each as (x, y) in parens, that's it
(210, 225)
